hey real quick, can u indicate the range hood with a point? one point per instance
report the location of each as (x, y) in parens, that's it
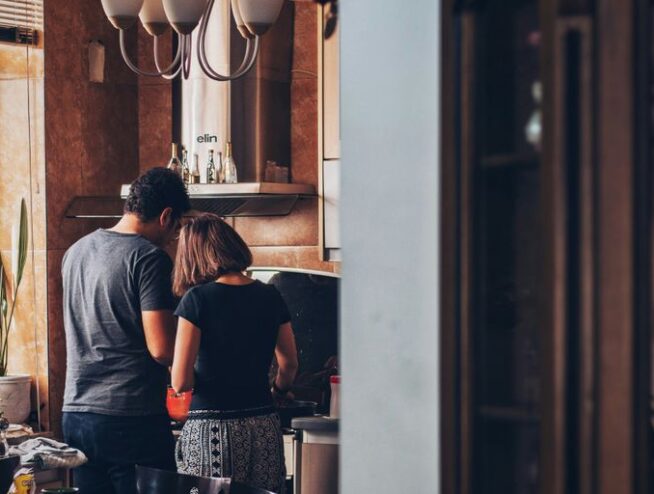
(243, 199)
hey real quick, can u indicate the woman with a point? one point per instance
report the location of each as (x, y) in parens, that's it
(229, 328)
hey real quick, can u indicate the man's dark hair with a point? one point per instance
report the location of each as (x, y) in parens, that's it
(154, 191)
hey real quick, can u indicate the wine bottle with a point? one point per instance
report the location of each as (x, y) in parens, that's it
(221, 169)
(174, 163)
(211, 169)
(231, 176)
(195, 172)
(186, 171)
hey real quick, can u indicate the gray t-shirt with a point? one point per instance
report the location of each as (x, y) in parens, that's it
(108, 279)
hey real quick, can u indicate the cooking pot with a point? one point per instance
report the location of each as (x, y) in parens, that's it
(290, 409)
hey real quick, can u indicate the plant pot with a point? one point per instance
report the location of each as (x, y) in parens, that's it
(15, 398)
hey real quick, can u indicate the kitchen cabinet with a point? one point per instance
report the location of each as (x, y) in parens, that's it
(331, 135)
(329, 132)
(540, 295)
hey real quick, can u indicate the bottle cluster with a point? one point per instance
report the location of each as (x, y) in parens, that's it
(218, 171)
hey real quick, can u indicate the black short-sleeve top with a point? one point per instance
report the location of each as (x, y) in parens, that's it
(239, 325)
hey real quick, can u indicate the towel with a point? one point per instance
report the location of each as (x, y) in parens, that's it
(48, 453)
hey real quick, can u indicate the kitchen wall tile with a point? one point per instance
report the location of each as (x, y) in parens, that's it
(305, 43)
(292, 257)
(155, 125)
(304, 131)
(110, 129)
(56, 340)
(298, 228)
(64, 28)
(89, 152)
(66, 154)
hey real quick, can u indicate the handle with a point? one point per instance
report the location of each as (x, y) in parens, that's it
(570, 423)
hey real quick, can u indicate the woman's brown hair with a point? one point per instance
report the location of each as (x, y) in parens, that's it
(208, 248)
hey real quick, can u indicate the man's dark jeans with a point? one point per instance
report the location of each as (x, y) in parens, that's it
(114, 445)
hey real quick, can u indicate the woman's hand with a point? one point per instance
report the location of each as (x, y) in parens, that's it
(280, 396)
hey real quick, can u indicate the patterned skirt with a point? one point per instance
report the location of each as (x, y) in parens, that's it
(248, 449)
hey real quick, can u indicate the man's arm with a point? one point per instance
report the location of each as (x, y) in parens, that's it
(159, 329)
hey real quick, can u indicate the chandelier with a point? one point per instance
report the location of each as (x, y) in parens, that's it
(253, 18)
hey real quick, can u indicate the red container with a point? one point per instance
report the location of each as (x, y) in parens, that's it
(178, 404)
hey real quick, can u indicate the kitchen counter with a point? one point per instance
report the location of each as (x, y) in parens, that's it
(316, 424)
(316, 455)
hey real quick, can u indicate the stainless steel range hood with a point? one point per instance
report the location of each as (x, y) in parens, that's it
(244, 199)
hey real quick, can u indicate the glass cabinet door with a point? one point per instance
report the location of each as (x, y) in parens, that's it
(505, 249)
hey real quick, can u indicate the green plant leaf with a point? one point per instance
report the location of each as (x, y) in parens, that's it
(4, 304)
(23, 238)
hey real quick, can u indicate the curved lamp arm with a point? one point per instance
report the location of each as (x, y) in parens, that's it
(131, 65)
(186, 56)
(168, 73)
(251, 52)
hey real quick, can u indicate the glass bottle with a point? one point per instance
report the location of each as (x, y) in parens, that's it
(174, 163)
(211, 169)
(195, 172)
(221, 169)
(186, 171)
(229, 165)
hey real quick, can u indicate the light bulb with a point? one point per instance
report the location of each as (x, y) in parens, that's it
(153, 17)
(238, 19)
(259, 15)
(184, 15)
(122, 13)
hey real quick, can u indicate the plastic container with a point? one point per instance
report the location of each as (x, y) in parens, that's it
(335, 402)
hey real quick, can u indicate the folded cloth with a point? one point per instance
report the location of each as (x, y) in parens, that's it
(48, 453)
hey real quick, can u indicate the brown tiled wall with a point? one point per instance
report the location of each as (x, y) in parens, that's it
(92, 136)
(293, 241)
(155, 104)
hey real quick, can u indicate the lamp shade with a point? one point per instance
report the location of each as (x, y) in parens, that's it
(184, 15)
(259, 15)
(153, 17)
(238, 19)
(122, 13)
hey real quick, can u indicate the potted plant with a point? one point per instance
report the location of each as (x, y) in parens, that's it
(15, 389)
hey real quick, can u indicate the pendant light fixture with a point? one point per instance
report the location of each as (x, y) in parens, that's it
(253, 18)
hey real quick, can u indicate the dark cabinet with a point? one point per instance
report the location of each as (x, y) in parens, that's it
(543, 259)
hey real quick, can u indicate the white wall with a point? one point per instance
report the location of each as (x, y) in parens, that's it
(389, 343)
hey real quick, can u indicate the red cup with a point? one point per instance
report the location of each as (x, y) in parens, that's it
(178, 404)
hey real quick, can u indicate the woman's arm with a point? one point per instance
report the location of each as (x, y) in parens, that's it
(286, 354)
(187, 344)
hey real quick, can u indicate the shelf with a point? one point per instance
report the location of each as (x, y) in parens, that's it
(246, 199)
(509, 414)
(525, 160)
(242, 189)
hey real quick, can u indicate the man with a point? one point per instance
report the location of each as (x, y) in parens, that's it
(120, 331)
